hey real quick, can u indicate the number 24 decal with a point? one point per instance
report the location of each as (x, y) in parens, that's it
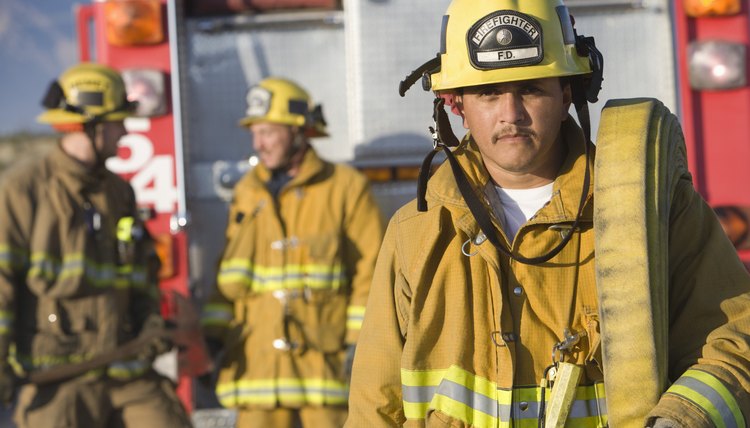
(154, 179)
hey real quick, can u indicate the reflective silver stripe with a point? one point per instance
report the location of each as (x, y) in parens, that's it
(468, 397)
(287, 390)
(418, 394)
(711, 395)
(595, 407)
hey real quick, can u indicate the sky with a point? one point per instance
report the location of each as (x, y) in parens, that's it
(37, 43)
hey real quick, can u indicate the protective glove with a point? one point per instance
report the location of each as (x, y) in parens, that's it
(665, 423)
(160, 343)
(346, 370)
(7, 384)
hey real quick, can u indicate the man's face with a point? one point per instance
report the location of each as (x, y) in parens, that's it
(111, 133)
(517, 125)
(273, 143)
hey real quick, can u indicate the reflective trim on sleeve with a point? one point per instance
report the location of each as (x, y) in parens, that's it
(12, 258)
(478, 402)
(355, 315)
(126, 370)
(217, 315)
(6, 321)
(711, 395)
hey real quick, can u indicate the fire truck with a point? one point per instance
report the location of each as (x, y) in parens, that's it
(190, 62)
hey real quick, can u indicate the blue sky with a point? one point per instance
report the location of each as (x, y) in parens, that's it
(37, 42)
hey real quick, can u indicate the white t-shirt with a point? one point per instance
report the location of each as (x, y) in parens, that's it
(519, 205)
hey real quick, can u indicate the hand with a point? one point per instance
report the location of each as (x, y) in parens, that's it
(215, 347)
(7, 384)
(664, 423)
(346, 370)
(160, 342)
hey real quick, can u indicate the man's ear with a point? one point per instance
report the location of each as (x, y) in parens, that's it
(458, 101)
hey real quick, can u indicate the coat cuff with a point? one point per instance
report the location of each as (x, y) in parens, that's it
(354, 317)
(700, 399)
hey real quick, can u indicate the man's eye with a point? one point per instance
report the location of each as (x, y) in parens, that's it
(489, 93)
(531, 89)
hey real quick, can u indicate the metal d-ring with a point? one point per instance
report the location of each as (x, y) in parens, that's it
(466, 253)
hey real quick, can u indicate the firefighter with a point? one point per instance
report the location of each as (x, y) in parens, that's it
(78, 274)
(294, 276)
(484, 310)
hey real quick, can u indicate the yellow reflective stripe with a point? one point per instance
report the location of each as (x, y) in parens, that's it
(217, 314)
(270, 391)
(710, 394)
(354, 317)
(75, 265)
(418, 387)
(479, 402)
(125, 229)
(269, 278)
(422, 377)
(44, 361)
(125, 370)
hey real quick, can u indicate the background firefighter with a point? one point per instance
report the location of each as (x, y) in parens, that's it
(487, 283)
(78, 271)
(295, 273)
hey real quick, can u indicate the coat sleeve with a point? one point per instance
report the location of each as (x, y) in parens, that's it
(218, 311)
(363, 231)
(375, 393)
(709, 315)
(16, 214)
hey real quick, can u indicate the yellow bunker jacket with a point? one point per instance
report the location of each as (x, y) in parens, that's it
(458, 335)
(292, 285)
(70, 286)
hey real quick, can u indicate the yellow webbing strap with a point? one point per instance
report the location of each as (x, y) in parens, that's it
(640, 156)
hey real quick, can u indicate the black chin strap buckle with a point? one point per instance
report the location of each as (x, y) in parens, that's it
(586, 46)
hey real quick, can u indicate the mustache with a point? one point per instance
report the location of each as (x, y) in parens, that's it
(513, 131)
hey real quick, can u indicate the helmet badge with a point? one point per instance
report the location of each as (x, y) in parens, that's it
(258, 101)
(505, 38)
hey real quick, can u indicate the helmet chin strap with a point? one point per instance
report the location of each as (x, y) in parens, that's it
(91, 128)
(444, 139)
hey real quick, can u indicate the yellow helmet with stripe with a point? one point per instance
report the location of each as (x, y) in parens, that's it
(495, 41)
(278, 100)
(84, 93)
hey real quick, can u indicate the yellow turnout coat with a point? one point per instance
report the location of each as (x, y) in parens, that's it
(458, 335)
(293, 282)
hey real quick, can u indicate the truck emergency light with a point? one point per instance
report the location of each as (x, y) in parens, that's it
(147, 88)
(716, 65)
(133, 22)
(702, 8)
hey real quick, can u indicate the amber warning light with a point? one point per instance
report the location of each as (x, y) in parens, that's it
(702, 8)
(133, 22)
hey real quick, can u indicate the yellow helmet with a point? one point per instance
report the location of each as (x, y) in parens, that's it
(282, 101)
(84, 93)
(495, 41)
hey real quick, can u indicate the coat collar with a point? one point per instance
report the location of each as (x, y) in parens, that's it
(566, 196)
(78, 176)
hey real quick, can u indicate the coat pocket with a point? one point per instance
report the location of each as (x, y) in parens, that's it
(322, 321)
